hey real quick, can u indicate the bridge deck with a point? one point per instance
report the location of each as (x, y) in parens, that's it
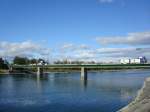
(85, 65)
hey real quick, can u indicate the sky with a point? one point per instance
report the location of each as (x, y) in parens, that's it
(90, 30)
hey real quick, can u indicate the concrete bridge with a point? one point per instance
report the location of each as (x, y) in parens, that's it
(84, 68)
(40, 69)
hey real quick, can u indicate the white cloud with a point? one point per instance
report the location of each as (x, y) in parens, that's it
(142, 38)
(82, 51)
(26, 48)
(107, 54)
(85, 52)
(114, 50)
(124, 52)
(106, 1)
(83, 46)
(69, 47)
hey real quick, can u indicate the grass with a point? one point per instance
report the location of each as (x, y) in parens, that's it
(2, 71)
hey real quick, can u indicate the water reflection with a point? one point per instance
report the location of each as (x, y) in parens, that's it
(84, 83)
(126, 94)
(66, 92)
(38, 79)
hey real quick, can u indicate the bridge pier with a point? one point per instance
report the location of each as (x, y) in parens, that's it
(39, 71)
(83, 73)
(10, 68)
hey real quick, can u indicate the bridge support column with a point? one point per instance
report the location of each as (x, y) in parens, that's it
(39, 71)
(10, 68)
(83, 73)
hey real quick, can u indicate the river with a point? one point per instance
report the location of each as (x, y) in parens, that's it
(104, 91)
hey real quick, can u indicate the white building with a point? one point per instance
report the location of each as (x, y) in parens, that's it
(125, 61)
(140, 60)
(135, 61)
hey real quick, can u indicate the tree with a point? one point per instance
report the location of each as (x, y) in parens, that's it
(3, 65)
(1, 61)
(21, 60)
(41, 61)
(33, 61)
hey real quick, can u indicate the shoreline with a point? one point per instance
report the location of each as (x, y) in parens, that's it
(3, 71)
(142, 101)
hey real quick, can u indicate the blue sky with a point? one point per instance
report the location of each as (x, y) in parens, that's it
(55, 24)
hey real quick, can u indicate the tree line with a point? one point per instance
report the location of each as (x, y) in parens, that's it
(18, 60)
(26, 61)
(73, 62)
(4, 64)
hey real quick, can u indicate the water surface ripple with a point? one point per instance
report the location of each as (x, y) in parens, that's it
(105, 91)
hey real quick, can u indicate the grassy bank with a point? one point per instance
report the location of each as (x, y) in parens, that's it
(3, 71)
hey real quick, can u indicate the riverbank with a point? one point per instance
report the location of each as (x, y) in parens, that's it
(3, 71)
(142, 101)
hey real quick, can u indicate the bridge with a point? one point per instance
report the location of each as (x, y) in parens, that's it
(84, 68)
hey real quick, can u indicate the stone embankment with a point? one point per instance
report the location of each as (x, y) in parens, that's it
(142, 101)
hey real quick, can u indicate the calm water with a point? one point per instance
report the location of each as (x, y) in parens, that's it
(105, 91)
